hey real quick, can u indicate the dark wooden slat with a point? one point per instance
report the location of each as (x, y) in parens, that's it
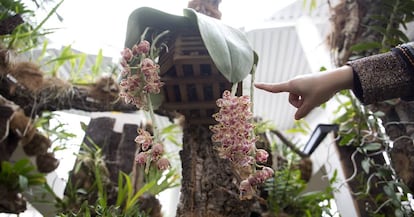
(188, 105)
(193, 80)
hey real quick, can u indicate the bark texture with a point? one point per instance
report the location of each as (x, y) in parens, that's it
(209, 185)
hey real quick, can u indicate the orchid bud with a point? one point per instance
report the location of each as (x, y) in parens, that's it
(246, 190)
(141, 158)
(127, 54)
(163, 164)
(261, 155)
(142, 48)
(157, 151)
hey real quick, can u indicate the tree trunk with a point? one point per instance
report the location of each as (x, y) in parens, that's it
(209, 185)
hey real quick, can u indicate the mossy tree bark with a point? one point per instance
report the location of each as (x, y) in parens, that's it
(209, 184)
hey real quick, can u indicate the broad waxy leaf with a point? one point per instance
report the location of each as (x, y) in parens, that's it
(227, 46)
(144, 17)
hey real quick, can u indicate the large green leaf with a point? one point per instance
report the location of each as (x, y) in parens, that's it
(144, 17)
(227, 46)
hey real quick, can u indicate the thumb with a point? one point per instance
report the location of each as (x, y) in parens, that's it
(273, 87)
(303, 111)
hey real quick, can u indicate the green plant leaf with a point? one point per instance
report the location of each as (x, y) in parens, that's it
(102, 198)
(346, 139)
(52, 12)
(365, 164)
(122, 188)
(133, 200)
(375, 146)
(23, 166)
(36, 179)
(227, 46)
(6, 167)
(144, 17)
(365, 46)
(129, 190)
(23, 182)
(96, 68)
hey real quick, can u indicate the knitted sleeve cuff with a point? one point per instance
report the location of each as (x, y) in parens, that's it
(381, 77)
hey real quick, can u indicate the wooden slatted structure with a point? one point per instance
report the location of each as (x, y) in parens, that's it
(192, 81)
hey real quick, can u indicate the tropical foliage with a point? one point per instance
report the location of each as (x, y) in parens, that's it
(365, 128)
(287, 195)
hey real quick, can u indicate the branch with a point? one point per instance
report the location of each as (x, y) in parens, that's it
(55, 94)
(288, 143)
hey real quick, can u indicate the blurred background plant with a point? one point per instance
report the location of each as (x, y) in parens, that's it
(287, 196)
(287, 193)
(90, 187)
(16, 178)
(26, 34)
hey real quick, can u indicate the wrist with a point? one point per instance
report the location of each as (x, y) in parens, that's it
(339, 78)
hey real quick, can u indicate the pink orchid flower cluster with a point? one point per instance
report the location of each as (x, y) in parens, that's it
(139, 79)
(139, 75)
(234, 131)
(150, 151)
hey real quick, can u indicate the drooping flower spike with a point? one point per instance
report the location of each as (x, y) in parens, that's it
(234, 133)
(139, 79)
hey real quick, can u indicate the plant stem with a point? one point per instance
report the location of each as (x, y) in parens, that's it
(253, 74)
(154, 42)
(152, 116)
(234, 89)
(154, 129)
(390, 24)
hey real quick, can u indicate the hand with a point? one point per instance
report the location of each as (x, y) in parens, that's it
(309, 91)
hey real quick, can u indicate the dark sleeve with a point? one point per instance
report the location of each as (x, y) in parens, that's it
(385, 76)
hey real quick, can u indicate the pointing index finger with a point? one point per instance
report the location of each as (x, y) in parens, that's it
(273, 87)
